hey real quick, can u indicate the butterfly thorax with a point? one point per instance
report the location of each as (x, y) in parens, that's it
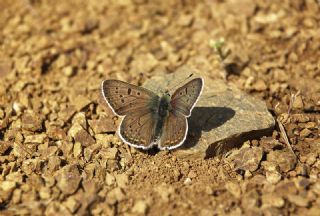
(162, 113)
(164, 106)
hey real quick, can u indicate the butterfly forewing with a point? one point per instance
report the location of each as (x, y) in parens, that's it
(185, 97)
(138, 129)
(174, 131)
(124, 98)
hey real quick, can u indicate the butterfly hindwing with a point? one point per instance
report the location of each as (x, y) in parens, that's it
(138, 129)
(125, 98)
(174, 131)
(185, 97)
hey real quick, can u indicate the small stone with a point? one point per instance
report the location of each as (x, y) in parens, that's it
(250, 200)
(302, 183)
(81, 102)
(259, 85)
(298, 103)
(35, 139)
(72, 204)
(111, 153)
(74, 129)
(165, 191)
(77, 149)
(234, 189)
(84, 138)
(273, 177)
(4, 146)
(69, 71)
(192, 174)
(67, 113)
(285, 159)
(110, 179)
(298, 200)
(284, 188)
(54, 163)
(6, 190)
(272, 200)
(45, 193)
(187, 181)
(7, 185)
(311, 158)
(68, 179)
(91, 187)
(103, 125)
(31, 122)
(21, 151)
(115, 195)
(122, 180)
(140, 207)
(247, 158)
(305, 132)
(90, 151)
(56, 133)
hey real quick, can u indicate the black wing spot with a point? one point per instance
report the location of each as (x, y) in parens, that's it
(180, 93)
(121, 96)
(116, 92)
(117, 88)
(138, 93)
(129, 91)
(122, 100)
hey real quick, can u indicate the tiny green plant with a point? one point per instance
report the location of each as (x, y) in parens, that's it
(217, 45)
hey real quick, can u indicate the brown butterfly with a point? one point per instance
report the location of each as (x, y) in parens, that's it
(149, 119)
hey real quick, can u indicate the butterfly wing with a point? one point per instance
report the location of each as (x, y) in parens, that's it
(124, 98)
(175, 127)
(185, 97)
(174, 132)
(138, 105)
(138, 129)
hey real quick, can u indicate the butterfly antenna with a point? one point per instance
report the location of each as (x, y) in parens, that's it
(178, 83)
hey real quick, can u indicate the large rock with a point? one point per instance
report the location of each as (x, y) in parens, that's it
(223, 118)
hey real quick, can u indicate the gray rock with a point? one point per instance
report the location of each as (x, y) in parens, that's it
(224, 117)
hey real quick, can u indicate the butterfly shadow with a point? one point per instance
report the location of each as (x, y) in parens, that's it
(205, 119)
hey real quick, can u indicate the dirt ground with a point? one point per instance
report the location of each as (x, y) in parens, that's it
(58, 150)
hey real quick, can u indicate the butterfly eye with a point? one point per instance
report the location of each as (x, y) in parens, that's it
(129, 91)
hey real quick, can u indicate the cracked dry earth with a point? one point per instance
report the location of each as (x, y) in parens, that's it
(59, 154)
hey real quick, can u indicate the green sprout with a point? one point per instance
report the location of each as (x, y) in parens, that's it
(217, 45)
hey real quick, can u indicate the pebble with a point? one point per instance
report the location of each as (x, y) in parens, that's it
(234, 189)
(285, 159)
(305, 132)
(36, 138)
(273, 177)
(140, 207)
(272, 200)
(80, 102)
(187, 181)
(31, 122)
(122, 180)
(298, 200)
(72, 204)
(68, 179)
(247, 158)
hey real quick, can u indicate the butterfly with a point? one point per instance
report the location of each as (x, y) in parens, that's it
(149, 119)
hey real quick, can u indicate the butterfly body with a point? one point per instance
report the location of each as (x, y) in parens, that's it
(150, 119)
